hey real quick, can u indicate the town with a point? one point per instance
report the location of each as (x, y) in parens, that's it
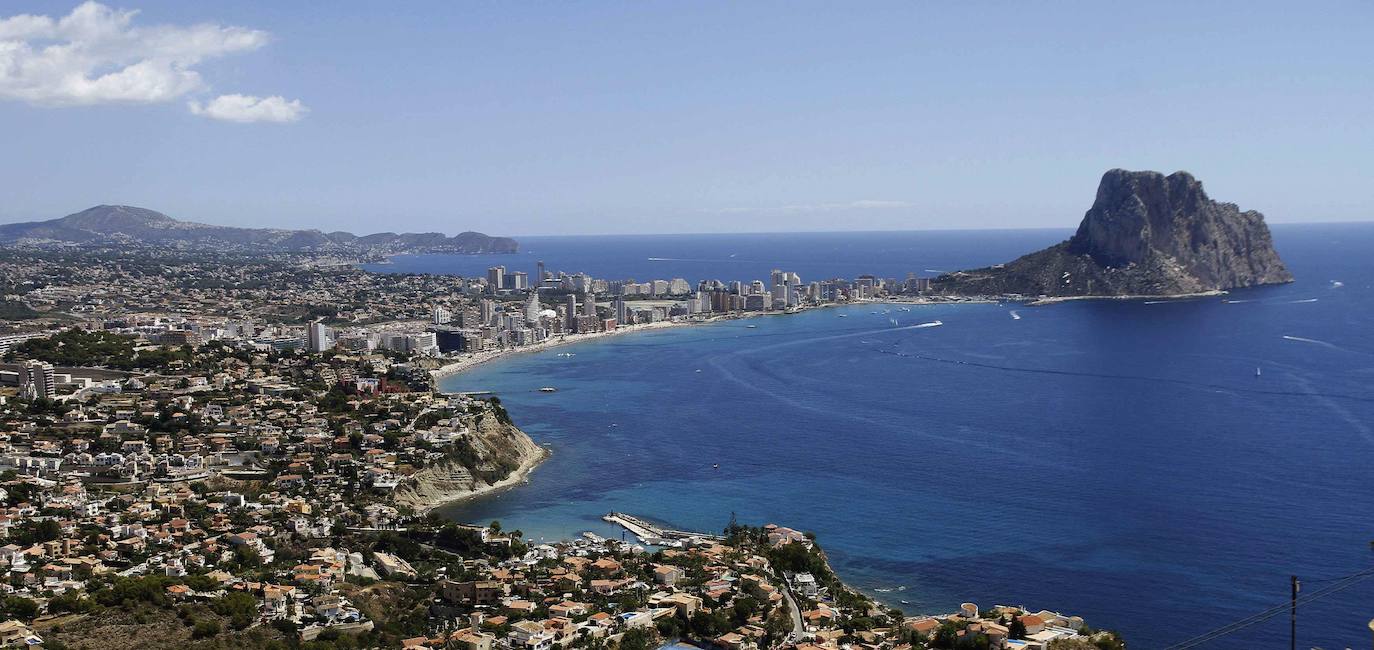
(219, 450)
(315, 301)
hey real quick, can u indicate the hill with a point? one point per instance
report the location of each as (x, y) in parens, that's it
(128, 225)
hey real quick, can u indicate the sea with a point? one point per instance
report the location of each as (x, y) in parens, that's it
(1162, 468)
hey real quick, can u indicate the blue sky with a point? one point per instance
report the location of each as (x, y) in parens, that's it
(590, 117)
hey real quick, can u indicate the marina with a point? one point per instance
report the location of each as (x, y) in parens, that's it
(654, 535)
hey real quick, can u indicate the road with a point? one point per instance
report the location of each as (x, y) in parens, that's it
(798, 630)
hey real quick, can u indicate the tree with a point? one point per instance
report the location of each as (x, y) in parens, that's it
(205, 629)
(1017, 629)
(779, 625)
(70, 601)
(241, 608)
(18, 607)
(639, 638)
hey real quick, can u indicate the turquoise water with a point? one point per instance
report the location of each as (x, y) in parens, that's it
(1117, 460)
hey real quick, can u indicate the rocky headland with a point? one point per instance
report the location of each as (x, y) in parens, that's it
(493, 454)
(1146, 234)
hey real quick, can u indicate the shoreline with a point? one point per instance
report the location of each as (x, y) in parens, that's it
(479, 358)
(476, 359)
(1054, 300)
(517, 476)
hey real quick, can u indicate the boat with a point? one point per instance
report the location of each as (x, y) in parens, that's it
(548, 389)
(751, 326)
(1257, 371)
(844, 315)
(716, 466)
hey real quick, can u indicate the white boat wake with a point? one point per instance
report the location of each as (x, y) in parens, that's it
(934, 323)
(1303, 339)
(1294, 302)
(1014, 315)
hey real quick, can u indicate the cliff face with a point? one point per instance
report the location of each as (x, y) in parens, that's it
(1146, 234)
(492, 455)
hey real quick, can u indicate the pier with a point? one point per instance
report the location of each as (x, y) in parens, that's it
(651, 534)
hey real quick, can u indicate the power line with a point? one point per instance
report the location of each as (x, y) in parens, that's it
(1272, 612)
(1340, 585)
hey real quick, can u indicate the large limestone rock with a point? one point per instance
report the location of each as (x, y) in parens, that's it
(1146, 234)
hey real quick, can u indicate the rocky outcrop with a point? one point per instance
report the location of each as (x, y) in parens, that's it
(492, 455)
(1147, 234)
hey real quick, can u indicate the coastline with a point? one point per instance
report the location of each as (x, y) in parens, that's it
(517, 476)
(479, 358)
(1052, 300)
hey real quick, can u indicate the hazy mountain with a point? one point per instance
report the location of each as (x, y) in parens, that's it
(1146, 234)
(127, 225)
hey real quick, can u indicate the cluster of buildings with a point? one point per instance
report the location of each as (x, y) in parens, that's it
(244, 473)
(317, 302)
(512, 308)
(101, 485)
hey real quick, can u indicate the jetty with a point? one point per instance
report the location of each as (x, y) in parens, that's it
(655, 535)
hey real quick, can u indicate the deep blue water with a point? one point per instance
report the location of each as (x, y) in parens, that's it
(1118, 460)
(815, 256)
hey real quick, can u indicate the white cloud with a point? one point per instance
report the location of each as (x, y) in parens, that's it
(97, 55)
(862, 204)
(248, 108)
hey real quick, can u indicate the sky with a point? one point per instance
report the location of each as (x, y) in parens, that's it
(663, 117)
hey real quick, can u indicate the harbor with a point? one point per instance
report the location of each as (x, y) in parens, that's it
(654, 535)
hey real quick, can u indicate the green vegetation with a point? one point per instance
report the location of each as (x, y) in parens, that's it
(638, 639)
(15, 310)
(31, 532)
(239, 607)
(77, 347)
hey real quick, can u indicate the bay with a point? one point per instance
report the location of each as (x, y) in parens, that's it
(1117, 460)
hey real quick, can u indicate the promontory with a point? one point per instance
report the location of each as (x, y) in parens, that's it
(1147, 234)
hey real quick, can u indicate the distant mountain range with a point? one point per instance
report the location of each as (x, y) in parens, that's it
(127, 225)
(1146, 234)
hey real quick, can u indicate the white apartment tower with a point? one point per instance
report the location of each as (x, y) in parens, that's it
(318, 337)
(36, 380)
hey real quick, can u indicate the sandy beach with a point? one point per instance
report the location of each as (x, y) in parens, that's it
(479, 358)
(473, 360)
